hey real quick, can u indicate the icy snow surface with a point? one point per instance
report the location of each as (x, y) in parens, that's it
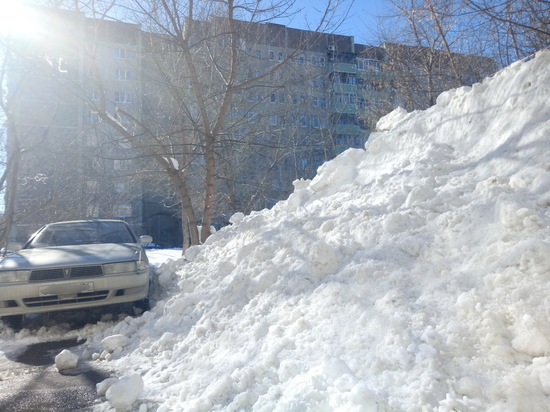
(409, 276)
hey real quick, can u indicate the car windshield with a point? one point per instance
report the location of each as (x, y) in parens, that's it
(81, 233)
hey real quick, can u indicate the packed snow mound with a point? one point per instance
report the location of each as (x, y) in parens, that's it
(412, 275)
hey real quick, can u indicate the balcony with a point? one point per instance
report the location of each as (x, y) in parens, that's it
(343, 67)
(346, 129)
(344, 88)
(348, 108)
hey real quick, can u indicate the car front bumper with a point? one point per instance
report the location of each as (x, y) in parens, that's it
(38, 297)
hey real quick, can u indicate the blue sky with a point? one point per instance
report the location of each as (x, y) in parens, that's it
(359, 22)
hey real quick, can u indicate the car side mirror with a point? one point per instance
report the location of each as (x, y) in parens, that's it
(145, 239)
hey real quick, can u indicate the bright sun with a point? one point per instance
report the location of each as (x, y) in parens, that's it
(16, 18)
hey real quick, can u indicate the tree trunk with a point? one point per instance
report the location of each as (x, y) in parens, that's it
(12, 172)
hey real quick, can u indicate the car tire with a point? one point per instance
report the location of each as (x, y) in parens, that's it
(143, 305)
(13, 321)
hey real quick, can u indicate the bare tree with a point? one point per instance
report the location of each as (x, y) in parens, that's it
(516, 27)
(12, 157)
(430, 50)
(200, 67)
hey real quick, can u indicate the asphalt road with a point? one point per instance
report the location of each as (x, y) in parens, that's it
(30, 382)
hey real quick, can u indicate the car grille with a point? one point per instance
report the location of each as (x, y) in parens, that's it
(54, 300)
(66, 273)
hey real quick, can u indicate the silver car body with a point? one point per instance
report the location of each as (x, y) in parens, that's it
(47, 276)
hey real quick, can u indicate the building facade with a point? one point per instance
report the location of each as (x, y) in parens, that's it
(313, 96)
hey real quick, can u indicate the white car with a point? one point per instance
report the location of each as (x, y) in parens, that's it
(74, 265)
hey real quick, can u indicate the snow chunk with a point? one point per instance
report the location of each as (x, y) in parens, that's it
(125, 391)
(66, 360)
(103, 386)
(114, 342)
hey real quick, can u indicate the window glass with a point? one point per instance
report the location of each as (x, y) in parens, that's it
(81, 233)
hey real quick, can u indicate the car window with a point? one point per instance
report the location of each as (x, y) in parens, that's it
(81, 233)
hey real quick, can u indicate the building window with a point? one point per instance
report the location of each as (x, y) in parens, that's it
(121, 53)
(123, 97)
(303, 121)
(322, 102)
(123, 74)
(321, 62)
(314, 61)
(315, 102)
(93, 118)
(271, 55)
(294, 99)
(315, 122)
(301, 60)
(369, 64)
(345, 98)
(259, 54)
(280, 56)
(273, 120)
(273, 98)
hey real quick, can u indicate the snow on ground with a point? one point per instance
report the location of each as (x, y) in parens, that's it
(413, 275)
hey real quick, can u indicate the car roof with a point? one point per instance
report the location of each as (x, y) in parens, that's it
(86, 221)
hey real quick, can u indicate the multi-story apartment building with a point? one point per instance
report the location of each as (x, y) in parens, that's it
(307, 104)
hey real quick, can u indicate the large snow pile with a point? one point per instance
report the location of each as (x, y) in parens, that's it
(413, 275)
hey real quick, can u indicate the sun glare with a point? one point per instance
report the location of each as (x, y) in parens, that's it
(16, 18)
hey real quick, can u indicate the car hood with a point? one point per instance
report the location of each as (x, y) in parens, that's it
(95, 254)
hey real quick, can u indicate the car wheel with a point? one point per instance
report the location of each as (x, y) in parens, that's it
(143, 305)
(13, 321)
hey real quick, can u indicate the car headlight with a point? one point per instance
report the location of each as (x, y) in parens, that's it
(120, 267)
(9, 276)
